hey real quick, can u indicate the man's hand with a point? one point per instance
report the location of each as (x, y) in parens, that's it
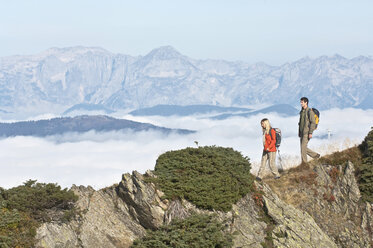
(309, 135)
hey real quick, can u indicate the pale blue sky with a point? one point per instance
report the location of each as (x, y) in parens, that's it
(272, 31)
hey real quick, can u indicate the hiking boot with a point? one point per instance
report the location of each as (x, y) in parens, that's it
(258, 179)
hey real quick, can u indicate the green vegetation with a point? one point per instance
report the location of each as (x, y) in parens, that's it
(210, 177)
(17, 229)
(24, 208)
(367, 148)
(198, 230)
(365, 173)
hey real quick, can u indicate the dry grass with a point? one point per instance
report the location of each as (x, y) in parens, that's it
(299, 187)
(334, 173)
(291, 181)
(288, 187)
(296, 177)
(329, 197)
(352, 154)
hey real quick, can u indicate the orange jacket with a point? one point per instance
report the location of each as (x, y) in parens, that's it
(270, 141)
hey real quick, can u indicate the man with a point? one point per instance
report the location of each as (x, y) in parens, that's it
(307, 125)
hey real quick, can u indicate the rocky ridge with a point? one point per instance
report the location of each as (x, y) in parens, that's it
(320, 208)
(331, 196)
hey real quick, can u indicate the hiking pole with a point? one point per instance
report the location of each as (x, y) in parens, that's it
(280, 159)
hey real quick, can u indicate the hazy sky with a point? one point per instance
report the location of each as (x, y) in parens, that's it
(272, 31)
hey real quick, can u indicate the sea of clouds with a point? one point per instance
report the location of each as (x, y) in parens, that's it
(99, 159)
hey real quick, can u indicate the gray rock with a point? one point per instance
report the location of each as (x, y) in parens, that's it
(105, 222)
(143, 200)
(328, 213)
(294, 228)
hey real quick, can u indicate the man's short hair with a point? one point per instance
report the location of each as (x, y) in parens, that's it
(304, 99)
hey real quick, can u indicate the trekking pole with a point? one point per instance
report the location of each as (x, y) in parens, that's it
(280, 159)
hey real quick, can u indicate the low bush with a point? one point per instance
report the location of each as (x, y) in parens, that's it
(365, 172)
(198, 230)
(17, 229)
(210, 177)
(34, 198)
(24, 208)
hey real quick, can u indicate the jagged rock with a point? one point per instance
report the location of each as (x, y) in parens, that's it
(57, 235)
(176, 210)
(247, 224)
(105, 222)
(243, 221)
(142, 200)
(331, 196)
(294, 228)
(301, 215)
(367, 220)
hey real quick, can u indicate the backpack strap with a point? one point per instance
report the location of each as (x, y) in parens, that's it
(308, 113)
(270, 133)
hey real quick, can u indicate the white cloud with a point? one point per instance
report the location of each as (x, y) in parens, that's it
(99, 159)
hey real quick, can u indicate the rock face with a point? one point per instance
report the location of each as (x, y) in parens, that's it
(327, 213)
(293, 227)
(105, 222)
(331, 196)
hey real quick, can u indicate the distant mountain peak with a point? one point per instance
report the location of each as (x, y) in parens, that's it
(69, 53)
(79, 49)
(65, 77)
(164, 53)
(337, 56)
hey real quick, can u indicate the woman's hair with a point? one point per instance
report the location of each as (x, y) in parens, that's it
(267, 125)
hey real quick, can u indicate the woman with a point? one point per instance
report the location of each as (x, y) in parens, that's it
(269, 151)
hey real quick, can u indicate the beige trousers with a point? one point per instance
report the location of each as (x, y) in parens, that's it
(271, 158)
(304, 150)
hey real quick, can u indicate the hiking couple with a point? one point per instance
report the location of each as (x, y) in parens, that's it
(307, 124)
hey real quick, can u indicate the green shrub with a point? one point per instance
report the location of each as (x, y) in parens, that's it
(202, 231)
(17, 229)
(34, 198)
(367, 148)
(24, 208)
(365, 173)
(210, 177)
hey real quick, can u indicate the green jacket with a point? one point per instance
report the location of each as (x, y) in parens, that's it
(307, 122)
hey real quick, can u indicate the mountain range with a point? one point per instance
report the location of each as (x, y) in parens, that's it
(78, 124)
(213, 112)
(176, 110)
(60, 78)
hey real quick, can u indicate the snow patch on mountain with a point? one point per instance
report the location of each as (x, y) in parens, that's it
(59, 78)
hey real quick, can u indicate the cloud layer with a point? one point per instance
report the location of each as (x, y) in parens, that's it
(99, 159)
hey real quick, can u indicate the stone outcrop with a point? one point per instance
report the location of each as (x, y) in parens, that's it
(331, 196)
(319, 207)
(143, 201)
(104, 221)
(293, 227)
